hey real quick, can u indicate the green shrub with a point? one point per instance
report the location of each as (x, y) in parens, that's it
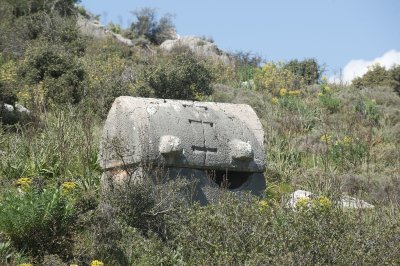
(244, 232)
(114, 28)
(378, 76)
(67, 148)
(326, 98)
(246, 64)
(368, 110)
(135, 213)
(37, 221)
(331, 103)
(27, 7)
(8, 75)
(347, 152)
(56, 72)
(109, 74)
(307, 70)
(27, 20)
(181, 76)
(274, 77)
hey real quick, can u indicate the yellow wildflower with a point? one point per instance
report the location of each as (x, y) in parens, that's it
(303, 203)
(24, 183)
(25, 264)
(327, 89)
(322, 203)
(96, 263)
(295, 92)
(274, 100)
(326, 138)
(73, 265)
(319, 94)
(262, 205)
(282, 92)
(347, 140)
(68, 186)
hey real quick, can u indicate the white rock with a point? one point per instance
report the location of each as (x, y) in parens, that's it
(354, 203)
(8, 107)
(21, 109)
(345, 202)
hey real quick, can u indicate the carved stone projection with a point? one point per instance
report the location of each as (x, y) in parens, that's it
(215, 144)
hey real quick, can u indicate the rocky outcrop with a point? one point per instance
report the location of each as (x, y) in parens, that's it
(91, 27)
(198, 46)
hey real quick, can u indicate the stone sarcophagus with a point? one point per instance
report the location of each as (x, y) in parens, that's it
(215, 144)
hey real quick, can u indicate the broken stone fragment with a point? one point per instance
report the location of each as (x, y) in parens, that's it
(241, 150)
(170, 145)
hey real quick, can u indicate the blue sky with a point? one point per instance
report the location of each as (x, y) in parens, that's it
(338, 33)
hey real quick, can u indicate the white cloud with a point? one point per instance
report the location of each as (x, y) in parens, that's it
(357, 68)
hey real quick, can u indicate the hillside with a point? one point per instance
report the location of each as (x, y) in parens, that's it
(331, 139)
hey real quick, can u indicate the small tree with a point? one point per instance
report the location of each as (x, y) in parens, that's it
(376, 75)
(308, 70)
(146, 25)
(395, 78)
(246, 64)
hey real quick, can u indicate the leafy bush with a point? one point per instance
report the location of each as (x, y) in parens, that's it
(368, 110)
(326, 98)
(26, 20)
(395, 77)
(37, 221)
(58, 72)
(26, 7)
(246, 64)
(108, 75)
(273, 77)
(378, 75)
(181, 76)
(307, 70)
(114, 28)
(133, 211)
(7, 81)
(245, 232)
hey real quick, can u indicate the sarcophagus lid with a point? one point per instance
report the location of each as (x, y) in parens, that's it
(184, 134)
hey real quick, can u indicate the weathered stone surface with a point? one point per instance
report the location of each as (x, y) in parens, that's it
(354, 203)
(21, 109)
(207, 141)
(209, 135)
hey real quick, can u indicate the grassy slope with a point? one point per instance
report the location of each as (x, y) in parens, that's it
(346, 142)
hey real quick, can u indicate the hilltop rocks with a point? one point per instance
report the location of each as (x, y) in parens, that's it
(198, 46)
(345, 202)
(91, 27)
